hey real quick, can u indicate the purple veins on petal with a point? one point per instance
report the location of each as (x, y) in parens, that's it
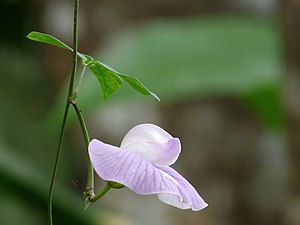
(186, 190)
(141, 175)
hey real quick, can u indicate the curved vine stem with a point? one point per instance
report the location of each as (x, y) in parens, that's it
(66, 111)
(95, 198)
(56, 163)
(90, 179)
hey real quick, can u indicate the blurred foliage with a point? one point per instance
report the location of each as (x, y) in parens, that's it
(30, 186)
(206, 56)
(189, 59)
(194, 58)
(265, 102)
(180, 60)
(26, 155)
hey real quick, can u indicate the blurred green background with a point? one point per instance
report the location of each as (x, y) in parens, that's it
(228, 78)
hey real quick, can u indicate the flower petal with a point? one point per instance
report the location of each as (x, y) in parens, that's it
(132, 170)
(191, 198)
(153, 143)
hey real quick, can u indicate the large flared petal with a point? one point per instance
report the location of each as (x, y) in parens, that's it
(153, 143)
(134, 171)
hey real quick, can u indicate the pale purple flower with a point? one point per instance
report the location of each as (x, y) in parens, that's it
(142, 164)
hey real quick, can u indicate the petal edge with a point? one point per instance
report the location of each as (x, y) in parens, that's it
(120, 165)
(153, 143)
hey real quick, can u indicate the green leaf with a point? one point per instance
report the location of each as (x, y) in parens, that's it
(137, 85)
(48, 39)
(133, 82)
(109, 78)
(110, 81)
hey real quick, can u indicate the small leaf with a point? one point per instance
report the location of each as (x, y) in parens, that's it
(110, 81)
(137, 85)
(48, 39)
(133, 82)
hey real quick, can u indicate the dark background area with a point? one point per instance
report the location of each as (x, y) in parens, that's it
(227, 73)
